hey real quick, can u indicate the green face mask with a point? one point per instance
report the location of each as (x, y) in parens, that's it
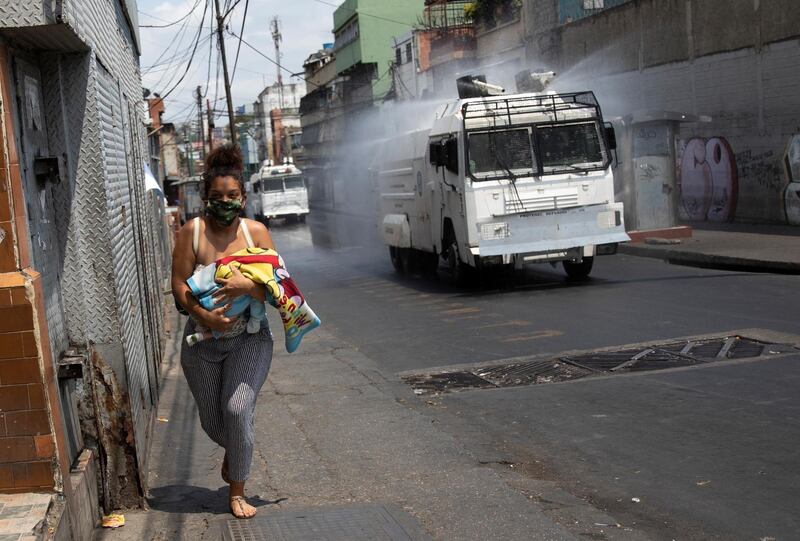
(224, 212)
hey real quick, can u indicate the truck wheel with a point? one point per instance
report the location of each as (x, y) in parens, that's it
(461, 272)
(301, 218)
(427, 263)
(578, 271)
(401, 260)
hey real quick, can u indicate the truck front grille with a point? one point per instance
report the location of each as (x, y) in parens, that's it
(529, 203)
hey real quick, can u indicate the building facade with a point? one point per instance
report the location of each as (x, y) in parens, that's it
(82, 262)
(271, 98)
(732, 65)
(363, 58)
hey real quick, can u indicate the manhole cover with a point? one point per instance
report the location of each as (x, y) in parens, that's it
(358, 523)
(626, 359)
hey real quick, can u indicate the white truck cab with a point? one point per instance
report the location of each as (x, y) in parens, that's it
(280, 191)
(503, 180)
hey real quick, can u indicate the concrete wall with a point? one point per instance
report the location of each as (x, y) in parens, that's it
(501, 51)
(737, 62)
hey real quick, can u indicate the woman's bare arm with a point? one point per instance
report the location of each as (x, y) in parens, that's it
(260, 234)
(183, 263)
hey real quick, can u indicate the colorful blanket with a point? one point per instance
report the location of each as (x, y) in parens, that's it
(263, 267)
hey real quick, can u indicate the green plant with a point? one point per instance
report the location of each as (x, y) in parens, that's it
(489, 11)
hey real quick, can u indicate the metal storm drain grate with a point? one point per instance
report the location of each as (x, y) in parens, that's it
(358, 523)
(449, 381)
(638, 359)
(530, 373)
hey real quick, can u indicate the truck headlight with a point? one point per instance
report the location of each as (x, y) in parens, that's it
(494, 231)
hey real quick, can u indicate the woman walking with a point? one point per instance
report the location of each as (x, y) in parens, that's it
(224, 374)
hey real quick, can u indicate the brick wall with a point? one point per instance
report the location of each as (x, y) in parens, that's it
(27, 446)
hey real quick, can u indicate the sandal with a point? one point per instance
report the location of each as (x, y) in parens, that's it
(240, 500)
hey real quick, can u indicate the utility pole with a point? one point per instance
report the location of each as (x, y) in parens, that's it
(200, 136)
(210, 116)
(220, 22)
(275, 24)
(187, 148)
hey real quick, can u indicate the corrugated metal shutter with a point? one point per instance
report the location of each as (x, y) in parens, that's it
(150, 267)
(122, 210)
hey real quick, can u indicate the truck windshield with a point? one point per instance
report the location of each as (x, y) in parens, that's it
(293, 182)
(493, 154)
(273, 184)
(568, 147)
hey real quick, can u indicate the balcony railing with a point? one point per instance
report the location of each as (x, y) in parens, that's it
(443, 15)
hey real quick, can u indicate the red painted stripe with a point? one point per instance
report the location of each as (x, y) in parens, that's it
(246, 259)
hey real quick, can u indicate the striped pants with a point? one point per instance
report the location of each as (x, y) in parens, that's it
(225, 376)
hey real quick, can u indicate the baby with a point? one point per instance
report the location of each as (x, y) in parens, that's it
(264, 267)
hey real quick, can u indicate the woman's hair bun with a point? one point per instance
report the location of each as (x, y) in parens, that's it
(225, 157)
(223, 161)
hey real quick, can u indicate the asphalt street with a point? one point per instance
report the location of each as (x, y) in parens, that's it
(697, 453)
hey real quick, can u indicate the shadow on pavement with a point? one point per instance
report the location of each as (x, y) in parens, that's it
(187, 499)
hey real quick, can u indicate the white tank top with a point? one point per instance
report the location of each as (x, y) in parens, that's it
(241, 324)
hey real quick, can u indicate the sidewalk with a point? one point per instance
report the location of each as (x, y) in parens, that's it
(334, 432)
(751, 248)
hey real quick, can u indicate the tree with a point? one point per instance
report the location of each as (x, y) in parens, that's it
(492, 12)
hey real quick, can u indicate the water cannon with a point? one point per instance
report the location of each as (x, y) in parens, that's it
(475, 86)
(537, 81)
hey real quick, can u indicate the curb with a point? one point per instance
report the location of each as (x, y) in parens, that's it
(710, 261)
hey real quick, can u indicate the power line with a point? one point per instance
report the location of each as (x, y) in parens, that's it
(172, 62)
(173, 23)
(229, 9)
(194, 50)
(188, 59)
(239, 46)
(294, 74)
(270, 59)
(366, 14)
(178, 34)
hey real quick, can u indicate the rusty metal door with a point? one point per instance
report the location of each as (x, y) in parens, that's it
(34, 151)
(39, 179)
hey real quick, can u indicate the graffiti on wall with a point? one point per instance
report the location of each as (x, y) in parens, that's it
(791, 198)
(709, 182)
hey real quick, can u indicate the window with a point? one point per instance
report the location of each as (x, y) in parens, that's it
(571, 146)
(348, 34)
(398, 56)
(293, 182)
(494, 154)
(272, 184)
(408, 52)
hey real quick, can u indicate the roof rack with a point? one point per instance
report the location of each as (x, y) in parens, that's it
(578, 104)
